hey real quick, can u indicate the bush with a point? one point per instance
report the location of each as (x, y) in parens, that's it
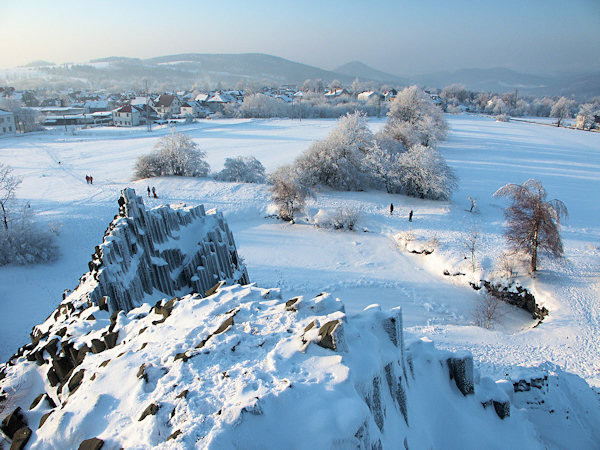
(26, 243)
(339, 161)
(342, 219)
(242, 169)
(174, 155)
(425, 174)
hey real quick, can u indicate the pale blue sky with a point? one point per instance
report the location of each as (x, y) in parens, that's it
(401, 37)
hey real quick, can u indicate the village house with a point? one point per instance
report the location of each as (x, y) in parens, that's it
(7, 123)
(128, 116)
(167, 105)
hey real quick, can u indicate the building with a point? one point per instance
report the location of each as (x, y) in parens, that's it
(7, 123)
(128, 116)
(167, 105)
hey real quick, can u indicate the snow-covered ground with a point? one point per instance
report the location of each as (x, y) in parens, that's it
(359, 267)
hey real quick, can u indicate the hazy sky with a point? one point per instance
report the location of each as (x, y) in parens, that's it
(400, 37)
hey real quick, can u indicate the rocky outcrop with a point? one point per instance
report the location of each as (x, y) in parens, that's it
(164, 251)
(518, 296)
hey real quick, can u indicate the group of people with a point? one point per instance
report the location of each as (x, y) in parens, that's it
(410, 215)
(89, 179)
(152, 191)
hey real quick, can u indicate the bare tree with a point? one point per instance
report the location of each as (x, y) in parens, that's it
(533, 222)
(473, 203)
(471, 242)
(289, 194)
(8, 185)
(486, 312)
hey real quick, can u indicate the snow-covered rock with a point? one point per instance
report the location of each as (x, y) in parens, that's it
(242, 367)
(172, 250)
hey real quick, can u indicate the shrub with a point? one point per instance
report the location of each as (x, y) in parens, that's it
(173, 155)
(242, 169)
(26, 243)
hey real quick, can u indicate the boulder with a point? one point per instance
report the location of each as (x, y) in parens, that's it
(91, 444)
(13, 422)
(20, 438)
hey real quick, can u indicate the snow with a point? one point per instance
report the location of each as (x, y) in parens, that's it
(361, 267)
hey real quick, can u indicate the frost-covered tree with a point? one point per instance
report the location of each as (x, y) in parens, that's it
(8, 186)
(586, 116)
(533, 223)
(414, 119)
(338, 161)
(26, 242)
(425, 174)
(385, 164)
(562, 109)
(174, 154)
(242, 169)
(288, 193)
(263, 106)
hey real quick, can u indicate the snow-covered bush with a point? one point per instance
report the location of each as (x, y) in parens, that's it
(344, 218)
(586, 117)
(26, 242)
(242, 169)
(338, 161)
(263, 106)
(414, 119)
(173, 155)
(502, 118)
(288, 193)
(425, 174)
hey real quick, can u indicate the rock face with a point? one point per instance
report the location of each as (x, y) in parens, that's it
(229, 367)
(518, 296)
(166, 250)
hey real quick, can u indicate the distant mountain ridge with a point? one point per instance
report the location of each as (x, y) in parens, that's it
(361, 71)
(207, 70)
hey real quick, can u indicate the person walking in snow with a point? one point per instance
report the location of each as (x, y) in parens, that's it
(391, 209)
(91, 179)
(154, 192)
(410, 215)
(148, 191)
(87, 179)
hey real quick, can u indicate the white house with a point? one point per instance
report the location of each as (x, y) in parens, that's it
(7, 123)
(367, 95)
(167, 105)
(127, 116)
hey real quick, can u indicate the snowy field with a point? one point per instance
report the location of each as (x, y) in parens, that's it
(359, 267)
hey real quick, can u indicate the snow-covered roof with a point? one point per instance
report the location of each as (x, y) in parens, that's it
(5, 113)
(165, 100)
(221, 97)
(202, 97)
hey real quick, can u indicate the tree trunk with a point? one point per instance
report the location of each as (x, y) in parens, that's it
(4, 216)
(534, 254)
